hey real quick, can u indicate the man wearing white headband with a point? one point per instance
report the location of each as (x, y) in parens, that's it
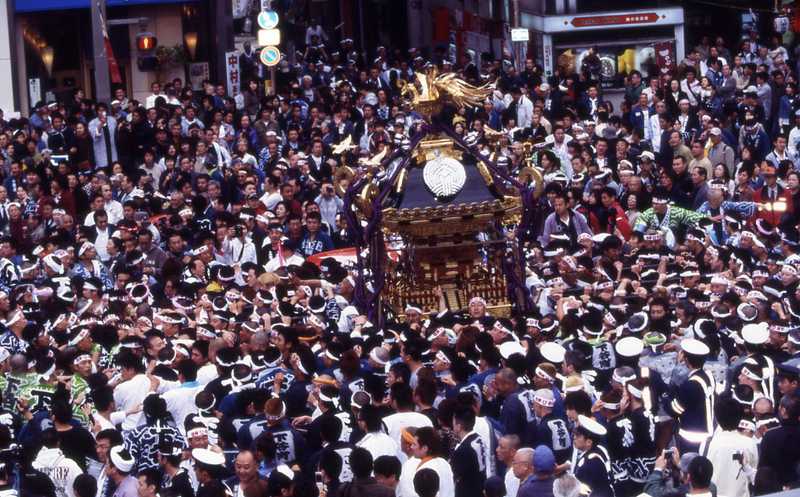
(665, 217)
(37, 394)
(550, 430)
(121, 463)
(12, 339)
(477, 315)
(644, 432)
(413, 313)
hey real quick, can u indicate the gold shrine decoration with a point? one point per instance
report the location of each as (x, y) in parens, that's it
(430, 149)
(452, 219)
(429, 90)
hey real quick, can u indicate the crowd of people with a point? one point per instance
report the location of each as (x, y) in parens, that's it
(165, 334)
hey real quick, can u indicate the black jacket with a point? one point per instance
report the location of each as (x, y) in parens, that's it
(365, 487)
(468, 466)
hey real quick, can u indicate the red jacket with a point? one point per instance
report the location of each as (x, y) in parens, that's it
(774, 217)
(617, 218)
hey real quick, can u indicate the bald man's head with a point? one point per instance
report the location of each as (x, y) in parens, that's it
(522, 464)
(506, 381)
(246, 466)
(18, 363)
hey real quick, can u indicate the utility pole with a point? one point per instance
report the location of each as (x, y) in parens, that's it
(222, 32)
(102, 80)
(361, 28)
(515, 44)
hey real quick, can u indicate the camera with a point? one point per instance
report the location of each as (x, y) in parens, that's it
(238, 230)
(738, 456)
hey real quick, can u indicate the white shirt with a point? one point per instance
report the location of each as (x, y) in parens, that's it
(278, 262)
(207, 374)
(156, 171)
(114, 211)
(405, 486)
(727, 476)
(447, 487)
(655, 133)
(512, 483)
(150, 101)
(380, 444)
(111, 423)
(270, 200)
(794, 138)
(101, 244)
(129, 394)
(395, 423)
(238, 252)
(61, 470)
(180, 400)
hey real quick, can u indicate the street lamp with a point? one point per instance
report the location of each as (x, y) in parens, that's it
(47, 59)
(190, 39)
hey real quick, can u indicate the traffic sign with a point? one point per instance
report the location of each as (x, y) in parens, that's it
(269, 37)
(270, 56)
(520, 34)
(267, 19)
(615, 19)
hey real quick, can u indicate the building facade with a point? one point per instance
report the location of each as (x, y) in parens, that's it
(49, 50)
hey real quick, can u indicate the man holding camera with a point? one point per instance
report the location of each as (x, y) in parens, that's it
(329, 204)
(734, 456)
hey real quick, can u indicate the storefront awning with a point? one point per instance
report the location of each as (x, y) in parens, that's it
(44, 5)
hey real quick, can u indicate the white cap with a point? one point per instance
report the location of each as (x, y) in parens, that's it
(647, 155)
(121, 459)
(208, 457)
(630, 347)
(508, 349)
(695, 347)
(285, 471)
(591, 425)
(552, 352)
(716, 131)
(755, 334)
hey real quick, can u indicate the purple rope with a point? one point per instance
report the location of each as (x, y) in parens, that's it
(369, 301)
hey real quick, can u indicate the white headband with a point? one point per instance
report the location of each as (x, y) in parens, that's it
(373, 354)
(200, 431)
(622, 380)
(541, 373)
(634, 391)
(80, 336)
(443, 357)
